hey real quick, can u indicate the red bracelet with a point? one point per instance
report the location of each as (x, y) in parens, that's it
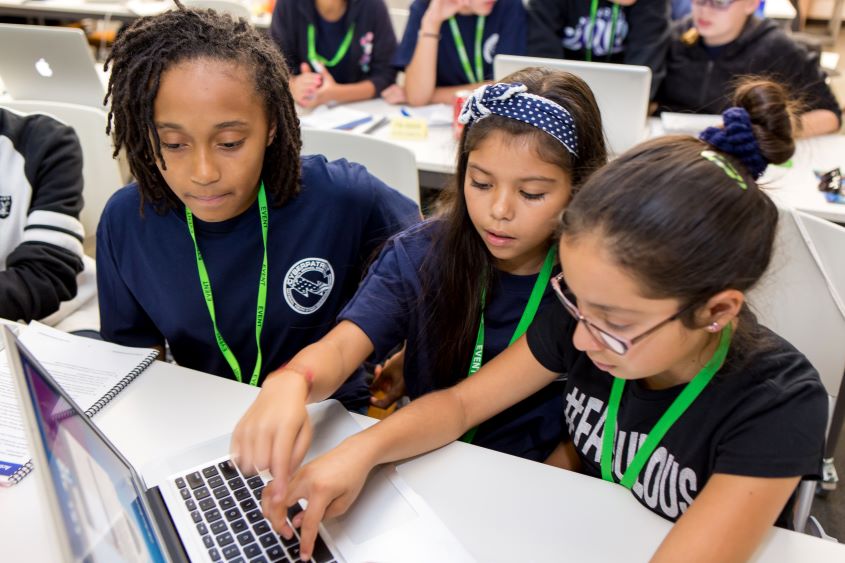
(306, 373)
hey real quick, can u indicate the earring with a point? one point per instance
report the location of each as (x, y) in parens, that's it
(713, 327)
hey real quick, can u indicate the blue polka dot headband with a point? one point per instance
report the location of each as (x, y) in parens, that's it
(513, 101)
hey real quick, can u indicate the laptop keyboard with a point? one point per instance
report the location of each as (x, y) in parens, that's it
(225, 506)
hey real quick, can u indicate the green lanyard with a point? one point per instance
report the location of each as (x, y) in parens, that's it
(681, 403)
(524, 322)
(478, 76)
(262, 293)
(594, 8)
(341, 51)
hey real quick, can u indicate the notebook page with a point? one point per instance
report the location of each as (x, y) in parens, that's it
(87, 369)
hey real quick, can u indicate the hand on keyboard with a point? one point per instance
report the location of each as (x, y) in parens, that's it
(275, 432)
(330, 484)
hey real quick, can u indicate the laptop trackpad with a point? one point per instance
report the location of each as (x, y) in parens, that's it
(379, 509)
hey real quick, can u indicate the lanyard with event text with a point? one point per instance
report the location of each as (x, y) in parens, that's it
(524, 322)
(478, 76)
(594, 8)
(262, 293)
(681, 403)
(338, 56)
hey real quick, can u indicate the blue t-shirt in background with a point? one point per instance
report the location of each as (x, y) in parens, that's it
(388, 309)
(318, 246)
(504, 33)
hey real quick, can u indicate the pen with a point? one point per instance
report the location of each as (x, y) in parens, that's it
(404, 111)
(375, 126)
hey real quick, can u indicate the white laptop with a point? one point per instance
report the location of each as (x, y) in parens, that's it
(49, 63)
(197, 506)
(621, 92)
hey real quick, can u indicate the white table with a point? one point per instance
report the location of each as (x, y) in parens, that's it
(501, 507)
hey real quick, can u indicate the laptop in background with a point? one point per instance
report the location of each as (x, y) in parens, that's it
(49, 63)
(199, 507)
(621, 91)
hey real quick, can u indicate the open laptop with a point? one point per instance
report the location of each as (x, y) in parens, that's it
(200, 507)
(49, 63)
(621, 92)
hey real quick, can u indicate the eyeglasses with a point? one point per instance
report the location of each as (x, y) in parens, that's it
(717, 4)
(615, 344)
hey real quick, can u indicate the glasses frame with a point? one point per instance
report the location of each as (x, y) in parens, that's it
(616, 344)
(715, 4)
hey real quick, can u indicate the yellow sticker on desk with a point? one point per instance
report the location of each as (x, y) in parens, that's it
(408, 128)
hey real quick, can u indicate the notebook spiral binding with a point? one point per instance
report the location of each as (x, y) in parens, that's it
(18, 475)
(120, 386)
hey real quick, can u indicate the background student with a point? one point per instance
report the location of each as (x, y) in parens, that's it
(723, 41)
(41, 255)
(337, 50)
(489, 256)
(634, 32)
(449, 46)
(658, 251)
(230, 247)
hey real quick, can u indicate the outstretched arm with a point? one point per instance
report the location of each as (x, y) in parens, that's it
(332, 482)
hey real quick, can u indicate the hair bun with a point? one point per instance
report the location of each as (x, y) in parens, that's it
(737, 139)
(771, 113)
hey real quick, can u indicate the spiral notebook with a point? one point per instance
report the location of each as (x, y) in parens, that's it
(91, 371)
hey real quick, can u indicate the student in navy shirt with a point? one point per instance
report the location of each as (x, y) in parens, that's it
(449, 46)
(459, 288)
(634, 32)
(337, 50)
(673, 390)
(229, 248)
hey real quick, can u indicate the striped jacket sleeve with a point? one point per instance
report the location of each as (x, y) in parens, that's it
(40, 270)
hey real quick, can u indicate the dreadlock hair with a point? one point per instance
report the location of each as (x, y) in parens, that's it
(148, 47)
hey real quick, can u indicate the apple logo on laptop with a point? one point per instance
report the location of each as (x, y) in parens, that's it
(43, 68)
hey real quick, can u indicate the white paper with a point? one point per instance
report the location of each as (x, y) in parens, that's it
(86, 369)
(338, 117)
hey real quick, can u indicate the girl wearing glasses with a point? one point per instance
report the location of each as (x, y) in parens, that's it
(336, 50)
(722, 41)
(674, 391)
(449, 46)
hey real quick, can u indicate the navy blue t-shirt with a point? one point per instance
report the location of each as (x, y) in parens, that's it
(504, 33)
(387, 307)
(318, 246)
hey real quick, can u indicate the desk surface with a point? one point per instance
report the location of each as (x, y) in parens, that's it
(501, 507)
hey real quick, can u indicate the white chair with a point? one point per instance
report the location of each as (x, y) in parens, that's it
(233, 7)
(102, 174)
(800, 298)
(393, 164)
(399, 19)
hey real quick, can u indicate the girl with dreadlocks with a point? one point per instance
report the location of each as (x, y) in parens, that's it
(227, 229)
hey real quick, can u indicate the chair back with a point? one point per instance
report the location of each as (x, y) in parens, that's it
(102, 175)
(399, 19)
(800, 297)
(393, 164)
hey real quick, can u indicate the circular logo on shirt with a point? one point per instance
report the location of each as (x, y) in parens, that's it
(489, 48)
(308, 284)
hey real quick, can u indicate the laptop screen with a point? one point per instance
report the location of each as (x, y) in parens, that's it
(95, 488)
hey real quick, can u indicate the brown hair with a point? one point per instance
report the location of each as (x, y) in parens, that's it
(679, 223)
(459, 267)
(149, 46)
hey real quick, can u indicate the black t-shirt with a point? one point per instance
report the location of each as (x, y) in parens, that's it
(763, 415)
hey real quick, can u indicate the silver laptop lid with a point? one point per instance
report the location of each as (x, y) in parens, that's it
(49, 63)
(621, 92)
(95, 496)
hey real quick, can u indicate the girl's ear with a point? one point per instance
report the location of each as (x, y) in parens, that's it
(720, 309)
(271, 135)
